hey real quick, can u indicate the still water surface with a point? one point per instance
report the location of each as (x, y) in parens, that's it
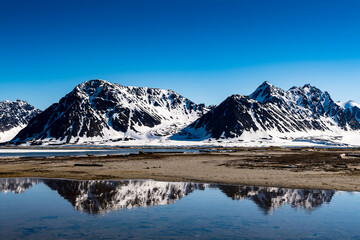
(83, 152)
(146, 209)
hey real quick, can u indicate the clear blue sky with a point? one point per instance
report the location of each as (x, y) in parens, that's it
(205, 50)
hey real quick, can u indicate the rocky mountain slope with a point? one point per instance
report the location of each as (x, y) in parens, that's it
(14, 116)
(270, 111)
(98, 111)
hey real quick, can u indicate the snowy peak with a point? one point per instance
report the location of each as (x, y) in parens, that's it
(267, 93)
(13, 117)
(17, 113)
(98, 111)
(349, 104)
(270, 111)
(312, 98)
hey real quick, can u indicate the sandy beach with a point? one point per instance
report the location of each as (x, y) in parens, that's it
(337, 169)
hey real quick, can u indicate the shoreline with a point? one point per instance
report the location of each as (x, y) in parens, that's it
(309, 168)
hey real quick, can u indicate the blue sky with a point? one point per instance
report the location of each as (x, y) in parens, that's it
(205, 50)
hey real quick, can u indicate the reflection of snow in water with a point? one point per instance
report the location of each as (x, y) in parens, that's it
(96, 197)
(17, 185)
(105, 196)
(270, 198)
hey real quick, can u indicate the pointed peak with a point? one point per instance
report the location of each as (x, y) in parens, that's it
(266, 86)
(266, 92)
(265, 83)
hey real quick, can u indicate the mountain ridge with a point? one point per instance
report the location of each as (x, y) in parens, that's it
(99, 110)
(270, 111)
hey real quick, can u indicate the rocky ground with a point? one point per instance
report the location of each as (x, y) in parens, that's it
(282, 167)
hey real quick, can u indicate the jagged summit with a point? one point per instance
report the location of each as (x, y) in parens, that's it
(271, 111)
(98, 110)
(266, 92)
(13, 117)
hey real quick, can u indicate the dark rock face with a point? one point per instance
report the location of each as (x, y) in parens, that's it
(270, 108)
(15, 115)
(229, 119)
(98, 109)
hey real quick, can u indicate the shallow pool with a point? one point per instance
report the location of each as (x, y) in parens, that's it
(147, 209)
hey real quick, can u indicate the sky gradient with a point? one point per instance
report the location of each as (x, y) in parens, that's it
(204, 50)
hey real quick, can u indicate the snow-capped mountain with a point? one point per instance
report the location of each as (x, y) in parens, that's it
(97, 110)
(14, 116)
(272, 112)
(351, 108)
(349, 104)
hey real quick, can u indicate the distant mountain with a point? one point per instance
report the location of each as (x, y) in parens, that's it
(270, 111)
(349, 105)
(97, 111)
(14, 116)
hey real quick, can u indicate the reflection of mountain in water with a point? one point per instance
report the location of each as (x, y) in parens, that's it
(270, 198)
(17, 185)
(105, 196)
(96, 197)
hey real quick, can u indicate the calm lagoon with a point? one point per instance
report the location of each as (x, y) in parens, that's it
(58, 152)
(33, 208)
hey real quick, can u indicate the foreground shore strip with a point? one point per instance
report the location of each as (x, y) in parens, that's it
(337, 169)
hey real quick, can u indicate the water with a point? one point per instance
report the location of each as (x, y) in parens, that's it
(83, 152)
(146, 209)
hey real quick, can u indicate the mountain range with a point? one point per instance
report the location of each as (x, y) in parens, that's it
(270, 111)
(97, 111)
